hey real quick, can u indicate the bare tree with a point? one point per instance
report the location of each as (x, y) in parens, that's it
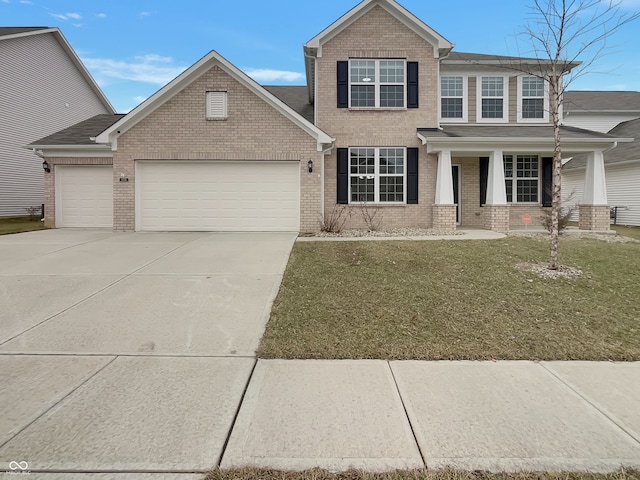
(567, 37)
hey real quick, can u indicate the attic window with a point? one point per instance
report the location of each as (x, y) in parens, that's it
(216, 105)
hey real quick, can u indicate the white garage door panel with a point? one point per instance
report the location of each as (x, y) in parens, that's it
(219, 196)
(84, 196)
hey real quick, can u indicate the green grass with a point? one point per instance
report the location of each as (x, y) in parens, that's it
(457, 300)
(19, 224)
(317, 474)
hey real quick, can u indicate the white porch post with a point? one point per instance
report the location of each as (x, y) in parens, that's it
(444, 179)
(595, 186)
(496, 187)
(594, 211)
(444, 210)
(496, 209)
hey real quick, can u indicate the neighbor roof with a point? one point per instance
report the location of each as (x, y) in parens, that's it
(81, 133)
(624, 152)
(598, 101)
(16, 30)
(296, 97)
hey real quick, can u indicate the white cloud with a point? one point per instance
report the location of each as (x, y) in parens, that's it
(152, 68)
(75, 16)
(268, 75)
(59, 16)
(139, 99)
(101, 15)
(145, 14)
(26, 2)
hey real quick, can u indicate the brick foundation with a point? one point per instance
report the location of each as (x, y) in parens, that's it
(444, 217)
(594, 217)
(496, 217)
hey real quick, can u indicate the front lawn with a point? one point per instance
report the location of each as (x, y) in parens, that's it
(456, 300)
(19, 224)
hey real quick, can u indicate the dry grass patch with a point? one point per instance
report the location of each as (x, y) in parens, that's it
(317, 474)
(456, 300)
(19, 225)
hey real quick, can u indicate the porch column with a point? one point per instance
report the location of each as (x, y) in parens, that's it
(594, 209)
(496, 209)
(444, 210)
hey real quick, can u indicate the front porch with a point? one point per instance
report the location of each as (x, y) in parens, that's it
(504, 182)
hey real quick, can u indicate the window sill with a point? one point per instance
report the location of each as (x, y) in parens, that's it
(377, 109)
(216, 119)
(379, 204)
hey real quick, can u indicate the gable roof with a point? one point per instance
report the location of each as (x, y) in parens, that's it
(313, 48)
(82, 133)
(603, 102)
(623, 153)
(296, 97)
(7, 33)
(213, 58)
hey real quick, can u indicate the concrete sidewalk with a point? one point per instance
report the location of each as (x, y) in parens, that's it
(377, 415)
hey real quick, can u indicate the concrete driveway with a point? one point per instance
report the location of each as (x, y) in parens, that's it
(137, 346)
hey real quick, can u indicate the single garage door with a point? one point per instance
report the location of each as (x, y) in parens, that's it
(84, 196)
(218, 196)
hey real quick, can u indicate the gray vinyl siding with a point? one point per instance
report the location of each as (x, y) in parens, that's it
(622, 190)
(597, 122)
(41, 92)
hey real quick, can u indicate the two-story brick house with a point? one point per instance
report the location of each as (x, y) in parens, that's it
(391, 118)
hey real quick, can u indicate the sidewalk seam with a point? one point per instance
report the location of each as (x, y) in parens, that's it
(73, 390)
(590, 402)
(406, 414)
(237, 414)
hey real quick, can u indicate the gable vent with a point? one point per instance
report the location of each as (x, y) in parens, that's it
(216, 104)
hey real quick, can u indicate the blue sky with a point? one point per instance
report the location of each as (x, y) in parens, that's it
(133, 48)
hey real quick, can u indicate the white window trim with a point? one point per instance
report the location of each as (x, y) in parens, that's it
(514, 179)
(505, 99)
(465, 100)
(377, 175)
(545, 117)
(377, 83)
(225, 105)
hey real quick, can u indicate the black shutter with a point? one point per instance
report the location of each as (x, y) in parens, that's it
(412, 85)
(343, 84)
(547, 181)
(412, 176)
(484, 177)
(343, 175)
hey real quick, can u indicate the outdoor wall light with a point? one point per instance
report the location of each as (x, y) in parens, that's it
(45, 166)
(310, 165)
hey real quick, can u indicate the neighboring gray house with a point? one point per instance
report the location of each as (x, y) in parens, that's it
(618, 114)
(44, 87)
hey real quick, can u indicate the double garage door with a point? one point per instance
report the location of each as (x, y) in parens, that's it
(187, 196)
(218, 196)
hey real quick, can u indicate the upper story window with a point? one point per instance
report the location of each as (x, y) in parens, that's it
(377, 175)
(377, 83)
(453, 102)
(493, 94)
(522, 178)
(532, 99)
(217, 105)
